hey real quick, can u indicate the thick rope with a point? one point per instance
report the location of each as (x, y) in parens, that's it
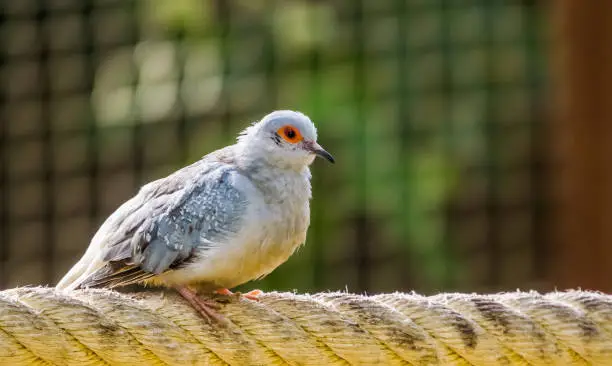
(39, 326)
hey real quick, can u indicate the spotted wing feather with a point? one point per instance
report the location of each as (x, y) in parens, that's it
(176, 218)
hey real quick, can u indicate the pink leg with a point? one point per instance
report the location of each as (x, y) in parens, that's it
(251, 295)
(206, 308)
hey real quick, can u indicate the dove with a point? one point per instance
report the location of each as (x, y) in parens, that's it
(231, 217)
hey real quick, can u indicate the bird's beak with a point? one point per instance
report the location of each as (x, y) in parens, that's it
(320, 151)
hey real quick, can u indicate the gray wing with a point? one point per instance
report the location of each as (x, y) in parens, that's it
(168, 222)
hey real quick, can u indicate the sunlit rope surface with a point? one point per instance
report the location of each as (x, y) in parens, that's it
(94, 327)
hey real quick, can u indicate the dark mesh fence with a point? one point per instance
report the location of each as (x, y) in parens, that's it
(431, 107)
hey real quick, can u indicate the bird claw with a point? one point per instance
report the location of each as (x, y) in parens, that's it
(206, 308)
(252, 295)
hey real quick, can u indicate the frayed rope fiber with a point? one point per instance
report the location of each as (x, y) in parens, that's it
(41, 326)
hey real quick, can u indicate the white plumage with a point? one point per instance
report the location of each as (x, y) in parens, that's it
(231, 217)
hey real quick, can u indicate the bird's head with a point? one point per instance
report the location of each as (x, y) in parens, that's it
(286, 139)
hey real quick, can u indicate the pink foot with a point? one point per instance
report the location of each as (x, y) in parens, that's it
(251, 295)
(224, 291)
(206, 308)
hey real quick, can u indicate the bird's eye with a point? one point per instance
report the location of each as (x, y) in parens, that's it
(290, 134)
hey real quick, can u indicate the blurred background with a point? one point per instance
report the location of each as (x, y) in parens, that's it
(470, 136)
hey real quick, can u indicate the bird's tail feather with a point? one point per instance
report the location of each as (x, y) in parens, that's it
(70, 279)
(110, 276)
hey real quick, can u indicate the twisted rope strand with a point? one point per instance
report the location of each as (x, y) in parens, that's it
(41, 326)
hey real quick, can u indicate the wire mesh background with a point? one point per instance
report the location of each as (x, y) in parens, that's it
(431, 108)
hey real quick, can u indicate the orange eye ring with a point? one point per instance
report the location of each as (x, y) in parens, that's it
(290, 134)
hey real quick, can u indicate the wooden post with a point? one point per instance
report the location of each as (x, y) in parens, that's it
(582, 174)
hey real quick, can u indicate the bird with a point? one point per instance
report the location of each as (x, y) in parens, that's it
(231, 217)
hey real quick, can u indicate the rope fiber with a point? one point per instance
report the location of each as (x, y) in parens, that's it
(42, 326)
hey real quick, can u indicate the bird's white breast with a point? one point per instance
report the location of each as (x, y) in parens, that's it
(274, 226)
